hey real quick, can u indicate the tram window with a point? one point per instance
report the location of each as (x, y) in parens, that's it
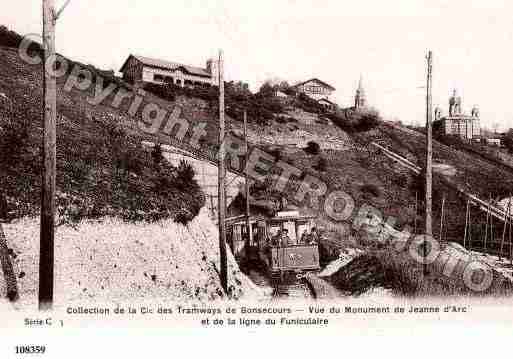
(302, 227)
(273, 230)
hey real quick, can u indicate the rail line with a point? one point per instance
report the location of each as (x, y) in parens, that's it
(484, 206)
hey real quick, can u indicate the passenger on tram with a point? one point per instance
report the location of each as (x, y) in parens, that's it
(310, 238)
(281, 239)
(314, 236)
(275, 240)
(286, 240)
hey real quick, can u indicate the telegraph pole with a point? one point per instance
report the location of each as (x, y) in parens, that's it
(46, 259)
(47, 232)
(246, 155)
(221, 181)
(429, 154)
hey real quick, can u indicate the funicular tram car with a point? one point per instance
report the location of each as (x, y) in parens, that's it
(284, 243)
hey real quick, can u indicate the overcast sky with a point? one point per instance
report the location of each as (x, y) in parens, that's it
(336, 41)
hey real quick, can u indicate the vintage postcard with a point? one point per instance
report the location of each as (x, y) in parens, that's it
(210, 167)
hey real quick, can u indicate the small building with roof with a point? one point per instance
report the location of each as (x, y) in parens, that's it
(315, 88)
(140, 69)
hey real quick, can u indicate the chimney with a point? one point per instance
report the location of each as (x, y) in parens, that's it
(213, 70)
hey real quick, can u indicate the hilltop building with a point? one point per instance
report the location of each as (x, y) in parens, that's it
(457, 123)
(139, 70)
(315, 88)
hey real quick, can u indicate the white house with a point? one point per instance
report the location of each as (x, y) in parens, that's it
(140, 69)
(315, 89)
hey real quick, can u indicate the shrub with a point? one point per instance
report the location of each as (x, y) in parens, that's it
(321, 165)
(312, 148)
(156, 154)
(401, 180)
(276, 153)
(308, 104)
(185, 175)
(371, 189)
(355, 121)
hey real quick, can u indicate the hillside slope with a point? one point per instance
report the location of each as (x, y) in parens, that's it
(347, 161)
(102, 167)
(114, 261)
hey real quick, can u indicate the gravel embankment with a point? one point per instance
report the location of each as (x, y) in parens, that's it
(115, 261)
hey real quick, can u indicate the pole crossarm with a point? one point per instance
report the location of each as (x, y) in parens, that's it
(57, 14)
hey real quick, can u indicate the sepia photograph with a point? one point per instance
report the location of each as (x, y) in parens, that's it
(264, 167)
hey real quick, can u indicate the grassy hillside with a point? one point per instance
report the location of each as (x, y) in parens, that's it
(348, 162)
(102, 168)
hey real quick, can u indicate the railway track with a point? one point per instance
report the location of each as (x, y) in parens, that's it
(494, 247)
(484, 206)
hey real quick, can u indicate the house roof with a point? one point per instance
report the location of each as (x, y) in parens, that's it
(168, 65)
(316, 79)
(326, 100)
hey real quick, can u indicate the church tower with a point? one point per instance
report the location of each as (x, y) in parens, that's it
(359, 99)
(454, 104)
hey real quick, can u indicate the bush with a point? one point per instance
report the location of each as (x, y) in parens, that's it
(308, 104)
(321, 165)
(355, 121)
(371, 189)
(185, 175)
(312, 148)
(12, 39)
(401, 180)
(276, 153)
(156, 154)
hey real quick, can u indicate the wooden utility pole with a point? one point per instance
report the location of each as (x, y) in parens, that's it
(46, 256)
(510, 244)
(507, 212)
(492, 234)
(246, 179)
(487, 222)
(442, 219)
(467, 216)
(221, 204)
(416, 211)
(429, 153)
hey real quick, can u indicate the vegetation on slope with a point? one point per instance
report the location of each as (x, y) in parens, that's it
(102, 168)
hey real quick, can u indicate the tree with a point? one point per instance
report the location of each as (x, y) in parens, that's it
(283, 86)
(266, 90)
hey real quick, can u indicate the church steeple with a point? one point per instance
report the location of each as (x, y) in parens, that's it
(454, 104)
(359, 99)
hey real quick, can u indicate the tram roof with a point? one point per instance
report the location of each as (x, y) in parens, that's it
(290, 218)
(242, 219)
